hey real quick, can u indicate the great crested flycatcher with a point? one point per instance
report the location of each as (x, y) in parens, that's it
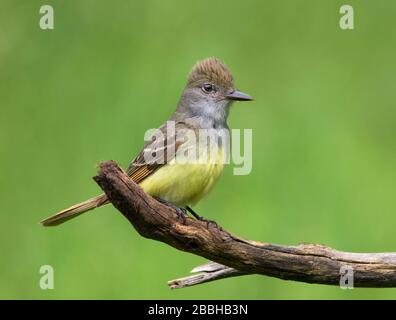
(204, 105)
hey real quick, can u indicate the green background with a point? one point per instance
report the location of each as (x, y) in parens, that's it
(323, 120)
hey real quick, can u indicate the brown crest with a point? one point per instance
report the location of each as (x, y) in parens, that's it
(211, 70)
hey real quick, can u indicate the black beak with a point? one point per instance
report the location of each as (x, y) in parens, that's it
(239, 96)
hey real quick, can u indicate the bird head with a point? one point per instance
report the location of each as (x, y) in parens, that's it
(210, 90)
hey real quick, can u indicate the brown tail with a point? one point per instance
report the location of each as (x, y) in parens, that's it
(75, 211)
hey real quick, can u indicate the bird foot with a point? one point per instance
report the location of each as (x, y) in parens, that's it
(181, 212)
(210, 223)
(200, 218)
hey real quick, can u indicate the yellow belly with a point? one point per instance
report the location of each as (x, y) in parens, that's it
(182, 184)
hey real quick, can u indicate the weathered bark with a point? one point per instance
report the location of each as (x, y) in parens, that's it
(234, 256)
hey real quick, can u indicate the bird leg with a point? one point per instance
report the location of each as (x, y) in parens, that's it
(196, 215)
(200, 218)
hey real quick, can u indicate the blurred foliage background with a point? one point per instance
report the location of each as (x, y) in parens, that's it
(323, 120)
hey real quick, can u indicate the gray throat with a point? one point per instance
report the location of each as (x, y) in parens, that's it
(205, 114)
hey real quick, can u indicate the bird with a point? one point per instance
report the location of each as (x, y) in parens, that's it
(204, 105)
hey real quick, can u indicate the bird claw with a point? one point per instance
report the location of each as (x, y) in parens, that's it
(181, 212)
(210, 223)
(200, 218)
(181, 215)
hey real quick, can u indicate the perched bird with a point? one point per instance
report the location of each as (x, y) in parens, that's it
(204, 104)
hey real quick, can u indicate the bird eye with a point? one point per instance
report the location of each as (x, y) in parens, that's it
(208, 88)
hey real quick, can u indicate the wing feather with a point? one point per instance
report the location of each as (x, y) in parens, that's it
(140, 168)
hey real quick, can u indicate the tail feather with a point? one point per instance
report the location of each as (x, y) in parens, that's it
(75, 211)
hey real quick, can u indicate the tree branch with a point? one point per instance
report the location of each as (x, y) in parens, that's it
(206, 273)
(234, 256)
